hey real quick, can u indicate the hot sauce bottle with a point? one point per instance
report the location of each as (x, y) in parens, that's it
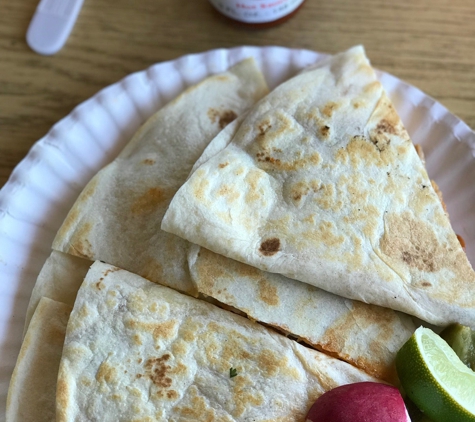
(258, 13)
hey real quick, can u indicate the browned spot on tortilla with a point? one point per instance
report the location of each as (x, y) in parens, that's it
(80, 244)
(268, 162)
(420, 153)
(362, 317)
(209, 268)
(228, 192)
(100, 285)
(386, 126)
(62, 396)
(111, 270)
(324, 234)
(325, 131)
(172, 394)
(106, 373)
(329, 108)
(274, 129)
(199, 185)
(117, 397)
(439, 194)
(89, 190)
(341, 156)
(302, 188)
(223, 355)
(268, 292)
(222, 165)
(263, 127)
(198, 409)
(269, 362)
(254, 192)
(149, 201)
(412, 242)
(148, 162)
(244, 396)
(165, 329)
(270, 247)
(326, 196)
(157, 370)
(264, 157)
(461, 241)
(180, 347)
(426, 284)
(223, 117)
(401, 149)
(360, 150)
(380, 142)
(73, 218)
(70, 221)
(372, 87)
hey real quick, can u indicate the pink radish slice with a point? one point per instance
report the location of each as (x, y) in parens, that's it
(360, 402)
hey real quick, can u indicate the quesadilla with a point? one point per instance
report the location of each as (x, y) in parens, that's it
(32, 390)
(135, 350)
(117, 217)
(59, 279)
(351, 332)
(367, 336)
(322, 184)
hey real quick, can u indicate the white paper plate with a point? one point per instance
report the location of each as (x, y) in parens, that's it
(45, 184)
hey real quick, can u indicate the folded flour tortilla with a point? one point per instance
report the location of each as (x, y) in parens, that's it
(367, 336)
(32, 390)
(117, 217)
(59, 279)
(333, 329)
(135, 350)
(322, 184)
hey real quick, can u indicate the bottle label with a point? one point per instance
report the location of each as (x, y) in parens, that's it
(256, 11)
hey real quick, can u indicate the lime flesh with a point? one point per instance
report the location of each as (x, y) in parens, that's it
(435, 379)
(462, 340)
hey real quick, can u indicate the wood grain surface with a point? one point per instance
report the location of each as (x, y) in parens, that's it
(428, 43)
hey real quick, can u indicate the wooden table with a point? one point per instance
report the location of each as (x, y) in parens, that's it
(428, 43)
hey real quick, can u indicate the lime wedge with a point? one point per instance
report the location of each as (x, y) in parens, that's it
(435, 379)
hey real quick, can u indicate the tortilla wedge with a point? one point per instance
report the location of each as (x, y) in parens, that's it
(321, 183)
(135, 350)
(59, 279)
(117, 216)
(367, 336)
(32, 390)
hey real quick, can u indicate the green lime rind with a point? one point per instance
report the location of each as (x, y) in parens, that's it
(435, 379)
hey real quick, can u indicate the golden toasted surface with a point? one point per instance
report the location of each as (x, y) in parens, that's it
(333, 195)
(367, 336)
(115, 218)
(154, 353)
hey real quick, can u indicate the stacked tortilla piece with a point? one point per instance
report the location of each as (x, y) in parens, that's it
(316, 186)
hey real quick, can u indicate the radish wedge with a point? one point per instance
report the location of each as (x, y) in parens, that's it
(360, 402)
